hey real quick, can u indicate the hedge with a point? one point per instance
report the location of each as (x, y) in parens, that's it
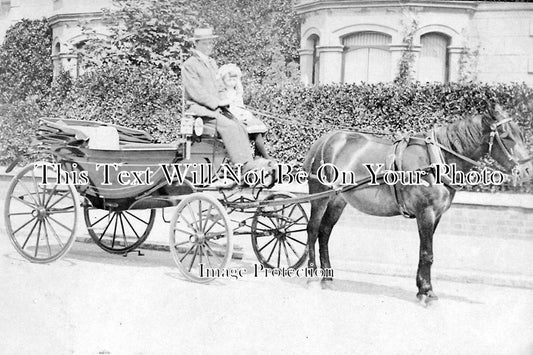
(150, 99)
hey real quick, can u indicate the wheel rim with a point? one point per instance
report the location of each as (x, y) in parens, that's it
(279, 234)
(40, 218)
(200, 237)
(118, 232)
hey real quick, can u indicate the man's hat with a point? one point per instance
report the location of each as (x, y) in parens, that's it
(203, 33)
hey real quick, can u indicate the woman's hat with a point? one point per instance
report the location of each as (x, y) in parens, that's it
(231, 69)
(203, 33)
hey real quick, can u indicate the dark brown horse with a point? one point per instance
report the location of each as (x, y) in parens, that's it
(461, 143)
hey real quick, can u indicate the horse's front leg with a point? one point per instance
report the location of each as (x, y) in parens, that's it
(427, 223)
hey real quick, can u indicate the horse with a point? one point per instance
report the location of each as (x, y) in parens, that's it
(462, 143)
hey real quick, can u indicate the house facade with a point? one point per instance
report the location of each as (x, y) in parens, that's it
(352, 41)
(66, 18)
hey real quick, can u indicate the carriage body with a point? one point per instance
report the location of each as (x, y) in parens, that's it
(119, 174)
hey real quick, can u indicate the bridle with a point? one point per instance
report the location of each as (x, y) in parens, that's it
(494, 135)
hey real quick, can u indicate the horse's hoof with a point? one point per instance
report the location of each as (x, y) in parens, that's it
(327, 284)
(313, 284)
(427, 297)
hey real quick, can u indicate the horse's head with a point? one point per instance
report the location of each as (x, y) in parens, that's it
(507, 144)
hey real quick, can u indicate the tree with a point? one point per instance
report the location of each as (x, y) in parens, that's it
(249, 30)
(25, 63)
(153, 32)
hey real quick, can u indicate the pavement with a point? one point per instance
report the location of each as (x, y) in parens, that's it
(92, 302)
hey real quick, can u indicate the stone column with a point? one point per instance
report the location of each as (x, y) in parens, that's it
(306, 65)
(454, 56)
(330, 64)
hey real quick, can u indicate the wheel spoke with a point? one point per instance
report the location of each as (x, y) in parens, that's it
(34, 180)
(181, 243)
(272, 252)
(213, 252)
(123, 232)
(296, 240)
(193, 217)
(200, 215)
(264, 246)
(207, 216)
(133, 229)
(55, 233)
(24, 225)
(187, 253)
(29, 235)
(184, 231)
(18, 213)
(134, 216)
(67, 194)
(296, 221)
(29, 204)
(21, 183)
(63, 210)
(101, 219)
(38, 238)
(193, 258)
(108, 224)
(207, 257)
(50, 196)
(61, 224)
(46, 238)
(292, 248)
(279, 252)
(266, 226)
(115, 230)
(297, 230)
(286, 253)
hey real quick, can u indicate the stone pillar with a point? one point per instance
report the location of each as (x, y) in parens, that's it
(454, 56)
(306, 65)
(330, 64)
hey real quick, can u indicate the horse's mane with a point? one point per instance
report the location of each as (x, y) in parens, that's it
(462, 136)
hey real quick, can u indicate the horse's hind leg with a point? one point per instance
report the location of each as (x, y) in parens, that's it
(331, 216)
(427, 223)
(318, 207)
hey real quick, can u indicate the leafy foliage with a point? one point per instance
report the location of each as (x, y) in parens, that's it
(25, 63)
(258, 36)
(141, 97)
(151, 32)
(17, 119)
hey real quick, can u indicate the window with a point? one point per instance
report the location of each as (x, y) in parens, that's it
(367, 57)
(434, 66)
(316, 61)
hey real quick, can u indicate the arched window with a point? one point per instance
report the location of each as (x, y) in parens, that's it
(57, 48)
(434, 61)
(316, 60)
(367, 57)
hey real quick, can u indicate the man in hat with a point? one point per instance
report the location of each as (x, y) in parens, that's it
(203, 89)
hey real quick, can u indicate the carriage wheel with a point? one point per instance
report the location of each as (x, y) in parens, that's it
(279, 233)
(118, 232)
(200, 237)
(40, 218)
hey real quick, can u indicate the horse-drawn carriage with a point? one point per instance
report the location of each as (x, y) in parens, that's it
(119, 207)
(123, 178)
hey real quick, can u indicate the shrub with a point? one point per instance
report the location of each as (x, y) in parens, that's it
(25, 62)
(17, 120)
(141, 97)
